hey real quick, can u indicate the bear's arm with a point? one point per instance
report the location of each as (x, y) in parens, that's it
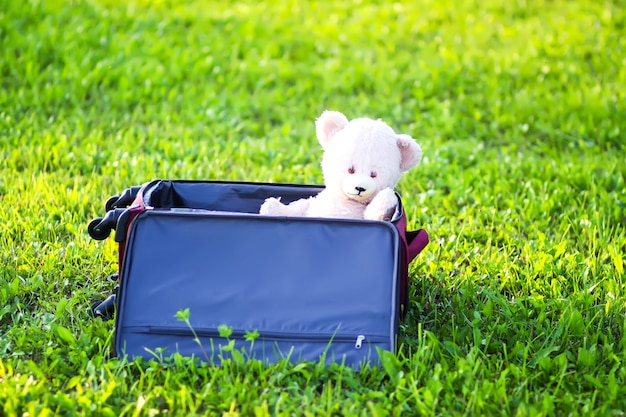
(382, 206)
(273, 207)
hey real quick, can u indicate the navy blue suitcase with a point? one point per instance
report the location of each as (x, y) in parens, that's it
(306, 288)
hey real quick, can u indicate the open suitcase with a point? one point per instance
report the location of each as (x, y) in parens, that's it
(307, 288)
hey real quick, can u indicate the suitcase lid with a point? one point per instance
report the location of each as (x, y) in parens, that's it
(251, 272)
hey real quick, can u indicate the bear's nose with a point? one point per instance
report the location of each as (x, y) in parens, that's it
(359, 189)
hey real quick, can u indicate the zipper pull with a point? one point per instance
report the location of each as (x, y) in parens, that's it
(359, 341)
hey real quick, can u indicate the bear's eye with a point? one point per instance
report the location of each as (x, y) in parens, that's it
(351, 170)
(373, 174)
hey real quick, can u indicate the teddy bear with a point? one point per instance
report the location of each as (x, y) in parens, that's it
(363, 159)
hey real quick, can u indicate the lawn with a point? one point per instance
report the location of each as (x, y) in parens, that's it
(517, 307)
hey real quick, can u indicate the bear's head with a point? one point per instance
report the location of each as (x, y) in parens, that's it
(363, 156)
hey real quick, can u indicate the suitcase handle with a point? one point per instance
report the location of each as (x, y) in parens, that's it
(417, 241)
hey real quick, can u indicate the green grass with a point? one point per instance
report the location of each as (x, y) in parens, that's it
(518, 304)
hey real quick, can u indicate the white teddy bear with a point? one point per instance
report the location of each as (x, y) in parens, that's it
(363, 160)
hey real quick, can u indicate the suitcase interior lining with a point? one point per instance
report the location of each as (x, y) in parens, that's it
(227, 197)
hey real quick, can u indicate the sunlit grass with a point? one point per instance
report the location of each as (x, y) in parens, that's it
(517, 306)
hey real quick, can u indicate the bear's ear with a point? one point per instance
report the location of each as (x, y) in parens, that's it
(410, 151)
(329, 123)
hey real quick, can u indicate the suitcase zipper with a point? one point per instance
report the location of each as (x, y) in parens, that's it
(286, 336)
(359, 341)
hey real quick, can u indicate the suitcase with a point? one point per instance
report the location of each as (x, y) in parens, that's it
(296, 288)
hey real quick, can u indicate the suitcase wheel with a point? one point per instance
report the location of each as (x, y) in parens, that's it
(101, 227)
(110, 204)
(123, 200)
(97, 230)
(104, 309)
